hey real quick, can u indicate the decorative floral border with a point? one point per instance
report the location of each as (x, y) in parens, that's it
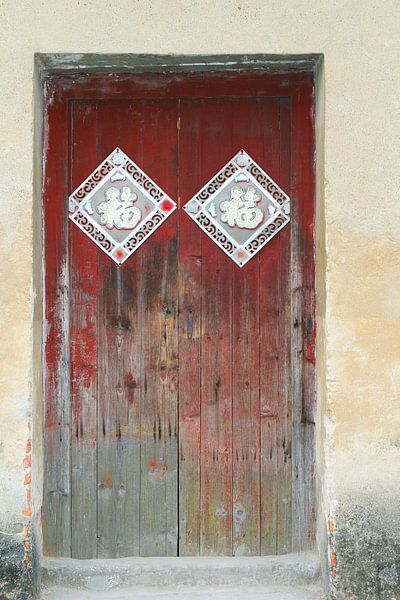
(267, 183)
(92, 231)
(143, 232)
(92, 181)
(143, 181)
(214, 184)
(266, 234)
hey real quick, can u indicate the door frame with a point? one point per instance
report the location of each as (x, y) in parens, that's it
(292, 76)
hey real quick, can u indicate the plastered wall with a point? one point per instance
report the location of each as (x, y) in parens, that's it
(359, 369)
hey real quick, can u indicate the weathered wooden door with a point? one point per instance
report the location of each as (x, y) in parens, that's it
(179, 388)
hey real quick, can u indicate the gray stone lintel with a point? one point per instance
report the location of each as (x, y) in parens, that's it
(106, 63)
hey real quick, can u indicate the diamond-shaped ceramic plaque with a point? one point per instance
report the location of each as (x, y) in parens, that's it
(241, 208)
(118, 206)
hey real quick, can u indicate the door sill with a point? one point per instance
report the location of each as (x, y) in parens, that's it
(301, 569)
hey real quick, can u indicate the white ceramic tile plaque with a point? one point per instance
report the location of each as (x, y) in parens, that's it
(241, 208)
(118, 206)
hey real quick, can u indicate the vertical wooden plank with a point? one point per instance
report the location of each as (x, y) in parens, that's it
(246, 408)
(216, 358)
(257, 130)
(269, 391)
(254, 125)
(83, 344)
(190, 293)
(270, 357)
(119, 124)
(56, 431)
(159, 299)
(303, 317)
(216, 402)
(284, 412)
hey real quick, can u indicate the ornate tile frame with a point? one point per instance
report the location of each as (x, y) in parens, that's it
(241, 165)
(116, 162)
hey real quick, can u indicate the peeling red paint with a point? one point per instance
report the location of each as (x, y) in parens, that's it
(214, 446)
(130, 385)
(157, 469)
(27, 510)
(107, 480)
(331, 546)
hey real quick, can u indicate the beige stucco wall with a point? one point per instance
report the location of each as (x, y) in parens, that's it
(361, 45)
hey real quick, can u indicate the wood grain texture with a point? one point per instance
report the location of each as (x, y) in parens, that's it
(238, 345)
(190, 295)
(303, 319)
(56, 414)
(200, 84)
(216, 360)
(269, 381)
(245, 411)
(119, 343)
(270, 309)
(284, 412)
(83, 345)
(159, 323)
(216, 403)
(256, 127)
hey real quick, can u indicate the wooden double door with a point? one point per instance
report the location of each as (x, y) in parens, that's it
(178, 387)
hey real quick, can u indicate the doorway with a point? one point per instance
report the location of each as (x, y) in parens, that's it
(179, 387)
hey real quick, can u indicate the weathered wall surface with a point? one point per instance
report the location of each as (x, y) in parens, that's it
(360, 372)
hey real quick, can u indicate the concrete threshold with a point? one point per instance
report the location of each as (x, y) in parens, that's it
(105, 574)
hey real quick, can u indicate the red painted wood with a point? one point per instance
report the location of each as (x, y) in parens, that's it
(269, 381)
(235, 428)
(159, 367)
(284, 411)
(190, 318)
(270, 302)
(216, 402)
(56, 414)
(303, 318)
(119, 373)
(246, 411)
(257, 127)
(83, 344)
(216, 349)
(201, 84)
